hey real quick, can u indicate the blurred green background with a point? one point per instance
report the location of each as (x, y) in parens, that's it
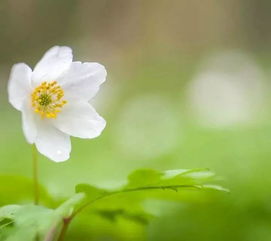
(188, 86)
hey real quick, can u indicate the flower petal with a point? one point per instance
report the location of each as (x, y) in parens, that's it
(80, 119)
(19, 84)
(52, 143)
(29, 123)
(54, 63)
(82, 80)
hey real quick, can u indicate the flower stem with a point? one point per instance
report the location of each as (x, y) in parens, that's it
(35, 175)
(68, 220)
(64, 229)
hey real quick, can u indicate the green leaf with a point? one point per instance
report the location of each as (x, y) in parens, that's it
(30, 221)
(8, 211)
(171, 179)
(92, 192)
(146, 184)
(6, 222)
(143, 177)
(215, 187)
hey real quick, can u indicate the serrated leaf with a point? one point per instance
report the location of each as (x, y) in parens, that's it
(196, 174)
(143, 177)
(183, 172)
(143, 184)
(31, 221)
(171, 179)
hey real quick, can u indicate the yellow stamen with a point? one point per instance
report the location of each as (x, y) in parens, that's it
(47, 99)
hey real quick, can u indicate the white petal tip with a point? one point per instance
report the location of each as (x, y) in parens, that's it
(59, 157)
(94, 134)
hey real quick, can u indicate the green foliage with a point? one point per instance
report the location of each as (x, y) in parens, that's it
(93, 193)
(30, 222)
(127, 201)
(7, 216)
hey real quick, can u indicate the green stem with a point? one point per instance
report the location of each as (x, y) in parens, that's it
(35, 174)
(67, 221)
(168, 187)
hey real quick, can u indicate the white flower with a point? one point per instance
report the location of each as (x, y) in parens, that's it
(53, 100)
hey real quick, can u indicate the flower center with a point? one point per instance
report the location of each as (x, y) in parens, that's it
(47, 99)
